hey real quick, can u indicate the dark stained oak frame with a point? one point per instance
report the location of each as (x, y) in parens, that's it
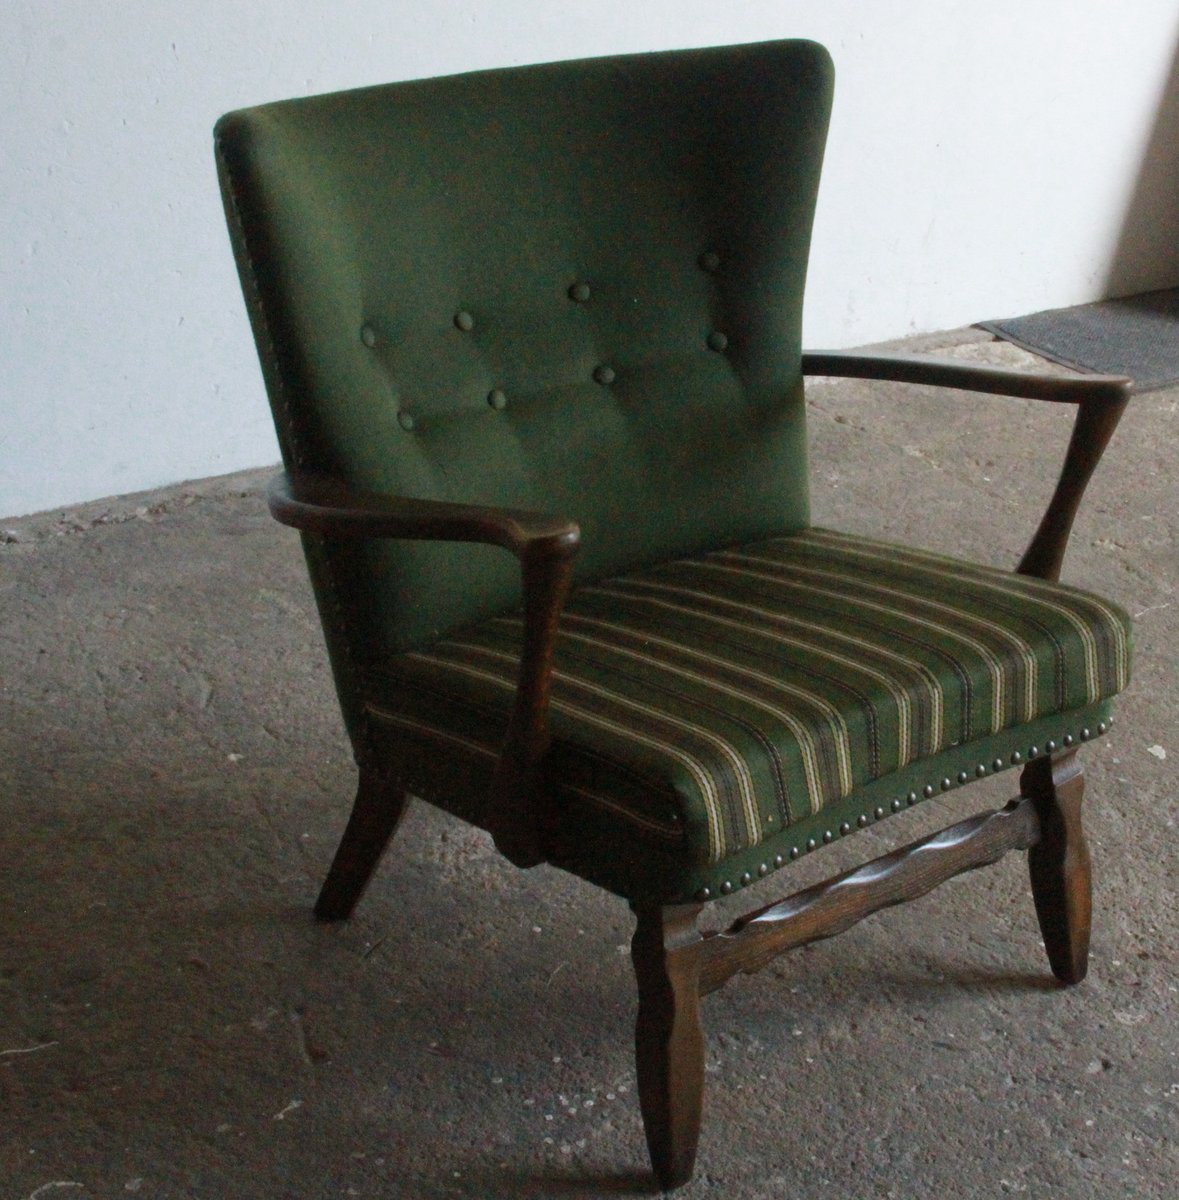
(675, 963)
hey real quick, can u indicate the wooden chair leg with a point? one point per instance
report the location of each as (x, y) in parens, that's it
(380, 804)
(669, 1041)
(1059, 863)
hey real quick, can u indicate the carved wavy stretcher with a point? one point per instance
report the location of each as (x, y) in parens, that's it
(828, 908)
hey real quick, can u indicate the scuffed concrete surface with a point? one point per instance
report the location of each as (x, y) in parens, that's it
(174, 774)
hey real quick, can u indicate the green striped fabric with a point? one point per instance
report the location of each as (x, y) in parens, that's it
(712, 702)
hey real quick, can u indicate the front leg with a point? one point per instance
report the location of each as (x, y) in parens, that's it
(669, 1042)
(1059, 863)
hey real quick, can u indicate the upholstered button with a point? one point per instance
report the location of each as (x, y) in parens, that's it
(709, 260)
(405, 419)
(368, 335)
(498, 399)
(604, 375)
(717, 341)
(579, 292)
(464, 321)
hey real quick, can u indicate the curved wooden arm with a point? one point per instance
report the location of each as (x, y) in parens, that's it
(320, 504)
(953, 373)
(1101, 400)
(545, 547)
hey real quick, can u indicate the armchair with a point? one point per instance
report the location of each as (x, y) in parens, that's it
(556, 311)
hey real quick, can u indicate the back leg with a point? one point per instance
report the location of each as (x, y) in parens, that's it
(380, 804)
(1059, 863)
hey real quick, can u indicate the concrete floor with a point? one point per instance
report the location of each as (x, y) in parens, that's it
(174, 775)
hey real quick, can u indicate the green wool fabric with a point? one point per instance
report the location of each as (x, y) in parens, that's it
(573, 288)
(715, 701)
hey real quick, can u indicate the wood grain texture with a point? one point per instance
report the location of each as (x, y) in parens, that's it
(380, 804)
(1101, 400)
(1094, 426)
(1059, 863)
(954, 373)
(828, 908)
(545, 547)
(515, 817)
(320, 504)
(669, 1040)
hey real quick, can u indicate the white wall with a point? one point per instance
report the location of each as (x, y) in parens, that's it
(981, 164)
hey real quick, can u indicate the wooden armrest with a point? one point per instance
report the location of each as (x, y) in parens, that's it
(545, 546)
(952, 373)
(320, 504)
(1101, 399)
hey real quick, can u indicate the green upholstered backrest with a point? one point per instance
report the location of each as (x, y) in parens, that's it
(574, 288)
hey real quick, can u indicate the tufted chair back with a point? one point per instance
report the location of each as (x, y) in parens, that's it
(573, 288)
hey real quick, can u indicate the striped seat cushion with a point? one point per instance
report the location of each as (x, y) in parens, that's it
(715, 701)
